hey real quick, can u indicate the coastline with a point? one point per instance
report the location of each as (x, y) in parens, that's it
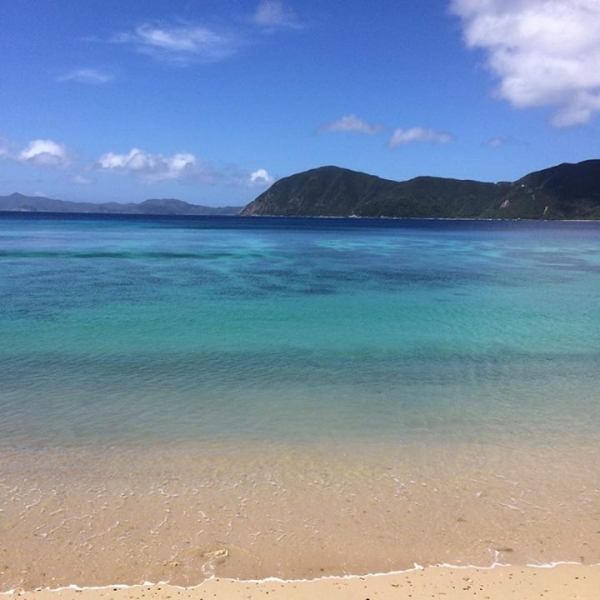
(292, 514)
(214, 216)
(309, 452)
(551, 582)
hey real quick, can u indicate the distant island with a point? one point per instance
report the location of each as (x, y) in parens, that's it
(566, 191)
(167, 206)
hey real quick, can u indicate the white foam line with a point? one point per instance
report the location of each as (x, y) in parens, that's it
(417, 567)
(551, 565)
(486, 568)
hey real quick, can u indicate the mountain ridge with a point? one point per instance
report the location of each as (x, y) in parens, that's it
(566, 191)
(17, 202)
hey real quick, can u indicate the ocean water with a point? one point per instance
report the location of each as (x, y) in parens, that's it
(331, 362)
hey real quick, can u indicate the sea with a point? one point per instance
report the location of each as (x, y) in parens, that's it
(251, 397)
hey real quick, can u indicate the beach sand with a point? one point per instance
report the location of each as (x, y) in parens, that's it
(561, 582)
(299, 516)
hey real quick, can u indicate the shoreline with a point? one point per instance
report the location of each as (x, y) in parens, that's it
(552, 581)
(116, 215)
(295, 514)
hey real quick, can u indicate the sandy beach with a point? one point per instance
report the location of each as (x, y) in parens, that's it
(561, 582)
(301, 515)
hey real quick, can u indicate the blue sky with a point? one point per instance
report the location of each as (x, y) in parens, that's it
(210, 101)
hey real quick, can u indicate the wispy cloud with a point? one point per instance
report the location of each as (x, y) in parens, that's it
(543, 52)
(45, 153)
(76, 180)
(498, 142)
(181, 44)
(87, 77)
(401, 137)
(351, 123)
(273, 14)
(81, 180)
(185, 43)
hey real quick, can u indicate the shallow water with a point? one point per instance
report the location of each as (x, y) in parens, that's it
(304, 385)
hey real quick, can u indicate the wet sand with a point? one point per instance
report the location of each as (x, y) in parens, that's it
(562, 582)
(302, 513)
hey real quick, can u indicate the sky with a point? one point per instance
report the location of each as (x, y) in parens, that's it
(212, 101)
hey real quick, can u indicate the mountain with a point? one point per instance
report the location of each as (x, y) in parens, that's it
(567, 191)
(20, 203)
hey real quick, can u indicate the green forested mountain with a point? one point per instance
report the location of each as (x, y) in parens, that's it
(567, 191)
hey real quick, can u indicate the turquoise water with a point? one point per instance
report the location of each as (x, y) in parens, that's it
(216, 331)
(254, 397)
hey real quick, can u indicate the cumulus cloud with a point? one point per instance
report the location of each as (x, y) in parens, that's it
(543, 52)
(147, 167)
(351, 123)
(272, 14)
(260, 178)
(150, 168)
(401, 137)
(87, 77)
(181, 44)
(45, 153)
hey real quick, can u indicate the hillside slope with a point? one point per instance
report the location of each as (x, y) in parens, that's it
(567, 191)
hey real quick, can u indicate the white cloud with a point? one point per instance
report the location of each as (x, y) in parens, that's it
(351, 123)
(183, 166)
(181, 44)
(87, 77)
(272, 14)
(44, 153)
(260, 178)
(418, 134)
(150, 168)
(543, 52)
